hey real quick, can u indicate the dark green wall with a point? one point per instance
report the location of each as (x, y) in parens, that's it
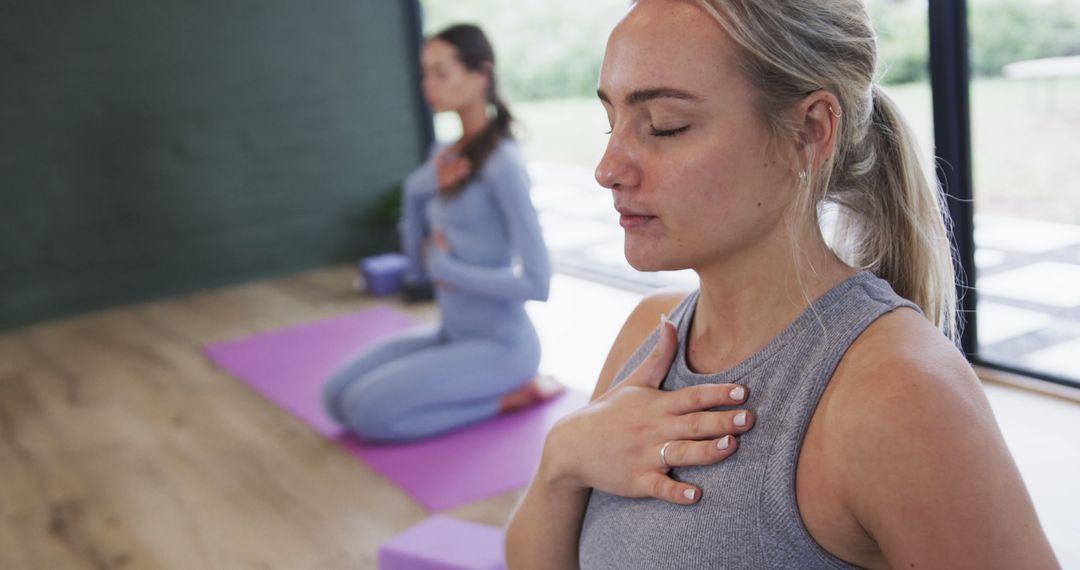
(153, 148)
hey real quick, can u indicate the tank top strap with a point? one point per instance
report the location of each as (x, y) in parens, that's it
(682, 314)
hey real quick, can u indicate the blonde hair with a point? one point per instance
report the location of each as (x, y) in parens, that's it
(889, 212)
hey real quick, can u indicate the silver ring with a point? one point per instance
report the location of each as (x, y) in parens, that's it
(663, 454)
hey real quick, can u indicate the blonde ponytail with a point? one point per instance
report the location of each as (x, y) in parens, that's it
(890, 215)
(891, 220)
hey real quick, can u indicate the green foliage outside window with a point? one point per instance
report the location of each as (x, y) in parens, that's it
(554, 48)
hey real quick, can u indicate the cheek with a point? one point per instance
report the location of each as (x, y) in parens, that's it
(443, 85)
(471, 87)
(463, 89)
(716, 197)
(736, 170)
(708, 186)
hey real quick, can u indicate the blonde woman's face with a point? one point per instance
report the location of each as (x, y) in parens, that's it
(447, 84)
(688, 161)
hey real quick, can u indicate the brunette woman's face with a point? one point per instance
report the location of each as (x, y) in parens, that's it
(689, 161)
(448, 85)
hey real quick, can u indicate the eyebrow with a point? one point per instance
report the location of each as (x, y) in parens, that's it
(639, 96)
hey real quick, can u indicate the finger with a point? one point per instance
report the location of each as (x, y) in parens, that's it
(708, 425)
(683, 453)
(452, 178)
(652, 371)
(667, 489)
(706, 396)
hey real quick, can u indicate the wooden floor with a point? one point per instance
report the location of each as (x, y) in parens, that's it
(122, 446)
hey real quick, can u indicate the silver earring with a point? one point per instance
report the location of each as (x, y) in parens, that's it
(802, 177)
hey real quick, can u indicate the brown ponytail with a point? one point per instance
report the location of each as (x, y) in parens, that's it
(475, 52)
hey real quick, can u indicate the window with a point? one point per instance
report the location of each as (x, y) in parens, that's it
(1005, 144)
(1025, 142)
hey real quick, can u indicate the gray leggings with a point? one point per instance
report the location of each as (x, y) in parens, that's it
(419, 383)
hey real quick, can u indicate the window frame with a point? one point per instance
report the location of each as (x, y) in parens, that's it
(950, 87)
(950, 79)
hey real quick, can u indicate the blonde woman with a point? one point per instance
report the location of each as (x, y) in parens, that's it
(804, 408)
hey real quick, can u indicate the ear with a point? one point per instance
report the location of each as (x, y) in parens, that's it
(818, 116)
(487, 70)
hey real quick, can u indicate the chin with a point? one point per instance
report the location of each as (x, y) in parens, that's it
(643, 260)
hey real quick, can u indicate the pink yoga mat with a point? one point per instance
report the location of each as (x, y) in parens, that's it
(443, 543)
(288, 366)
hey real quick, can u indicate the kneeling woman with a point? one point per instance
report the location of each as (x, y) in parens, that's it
(469, 226)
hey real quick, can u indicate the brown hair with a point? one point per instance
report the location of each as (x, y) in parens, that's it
(476, 54)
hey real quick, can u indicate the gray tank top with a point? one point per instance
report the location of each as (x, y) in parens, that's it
(747, 516)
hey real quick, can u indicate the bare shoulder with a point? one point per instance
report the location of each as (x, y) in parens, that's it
(902, 357)
(643, 320)
(924, 467)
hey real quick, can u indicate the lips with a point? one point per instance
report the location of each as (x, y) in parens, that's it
(631, 218)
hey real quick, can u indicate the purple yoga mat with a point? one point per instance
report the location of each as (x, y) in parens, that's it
(443, 543)
(288, 366)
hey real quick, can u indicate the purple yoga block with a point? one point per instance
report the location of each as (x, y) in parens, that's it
(383, 273)
(444, 543)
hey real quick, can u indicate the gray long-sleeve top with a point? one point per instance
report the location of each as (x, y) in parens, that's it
(497, 258)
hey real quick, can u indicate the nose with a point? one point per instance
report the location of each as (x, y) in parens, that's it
(617, 168)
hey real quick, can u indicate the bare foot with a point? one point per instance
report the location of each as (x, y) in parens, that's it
(540, 388)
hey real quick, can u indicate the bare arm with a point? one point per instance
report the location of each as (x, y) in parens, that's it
(929, 476)
(544, 529)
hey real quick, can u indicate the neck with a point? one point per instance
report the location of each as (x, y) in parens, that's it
(474, 120)
(745, 302)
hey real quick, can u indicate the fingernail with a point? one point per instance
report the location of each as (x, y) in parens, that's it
(724, 443)
(689, 494)
(740, 419)
(664, 320)
(738, 393)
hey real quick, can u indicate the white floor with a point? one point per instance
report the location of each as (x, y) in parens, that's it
(581, 319)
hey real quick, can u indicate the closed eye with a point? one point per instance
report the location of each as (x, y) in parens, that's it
(667, 133)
